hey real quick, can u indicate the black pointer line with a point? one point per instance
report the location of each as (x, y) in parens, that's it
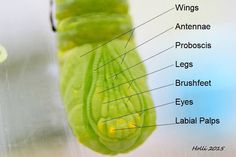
(139, 93)
(139, 111)
(127, 45)
(115, 75)
(137, 78)
(150, 126)
(116, 37)
(133, 48)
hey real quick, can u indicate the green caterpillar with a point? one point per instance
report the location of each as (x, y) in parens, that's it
(103, 116)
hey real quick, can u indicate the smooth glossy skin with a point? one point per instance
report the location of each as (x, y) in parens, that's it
(106, 121)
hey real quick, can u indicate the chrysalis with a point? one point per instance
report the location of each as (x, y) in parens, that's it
(106, 113)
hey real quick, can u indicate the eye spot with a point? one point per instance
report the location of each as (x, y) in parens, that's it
(3, 54)
(131, 125)
(111, 130)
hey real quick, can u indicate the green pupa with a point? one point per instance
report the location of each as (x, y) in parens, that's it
(103, 116)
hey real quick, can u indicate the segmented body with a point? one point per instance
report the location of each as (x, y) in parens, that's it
(103, 116)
